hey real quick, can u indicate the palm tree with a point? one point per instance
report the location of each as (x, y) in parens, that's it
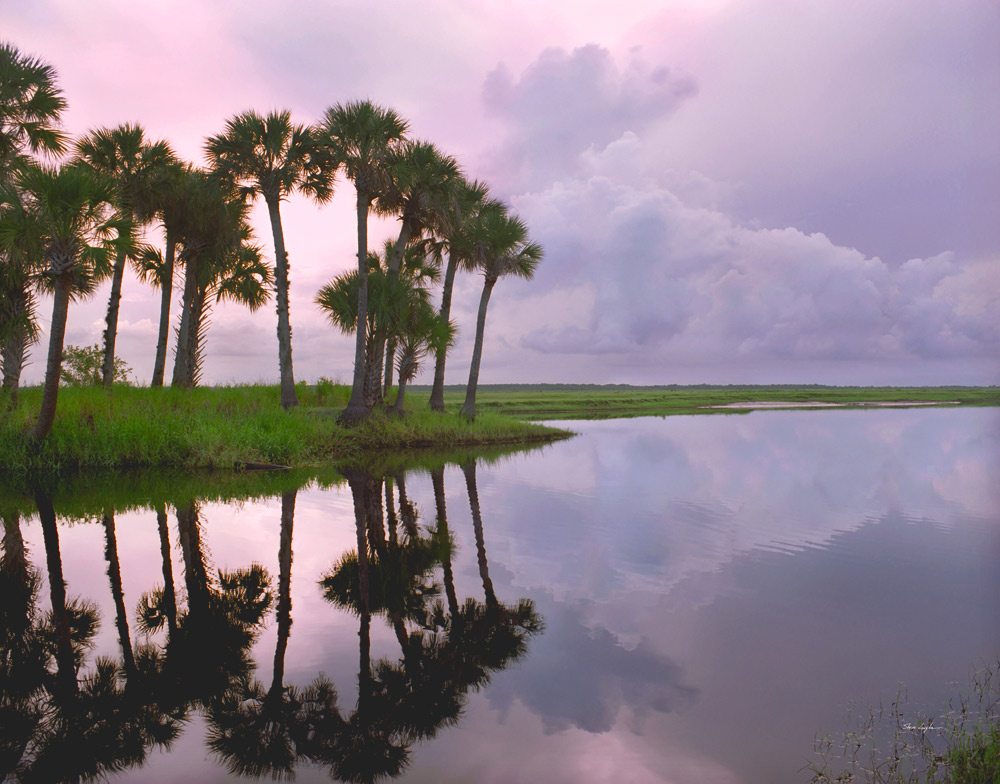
(363, 138)
(174, 187)
(498, 244)
(472, 197)
(136, 167)
(398, 307)
(30, 105)
(270, 157)
(423, 332)
(18, 279)
(75, 229)
(427, 185)
(221, 260)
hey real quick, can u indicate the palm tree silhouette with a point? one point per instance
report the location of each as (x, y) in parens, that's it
(363, 138)
(73, 226)
(30, 106)
(135, 166)
(271, 157)
(498, 245)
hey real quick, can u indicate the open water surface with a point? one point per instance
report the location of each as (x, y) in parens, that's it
(688, 599)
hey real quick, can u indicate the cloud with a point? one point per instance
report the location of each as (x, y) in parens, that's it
(566, 102)
(661, 268)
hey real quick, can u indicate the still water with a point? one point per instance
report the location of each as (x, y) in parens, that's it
(688, 599)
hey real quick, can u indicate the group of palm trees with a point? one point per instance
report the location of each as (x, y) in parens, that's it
(64, 228)
(64, 721)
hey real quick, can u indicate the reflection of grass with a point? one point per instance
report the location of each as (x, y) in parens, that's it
(899, 746)
(565, 401)
(129, 427)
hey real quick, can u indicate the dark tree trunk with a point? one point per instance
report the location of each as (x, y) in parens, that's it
(169, 599)
(437, 480)
(469, 407)
(437, 391)
(53, 367)
(284, 592)
(182, 354)
(469, 469)
(390, 357)
(401, 392)
(361, 487)
(356, 410)
(65, 662)
(115, 578)
(166, 292)
(288, 396)
(111, 321)
(376, 392)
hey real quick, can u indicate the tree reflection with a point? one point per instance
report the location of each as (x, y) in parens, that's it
(68, 727)
(66, 720)
(445, 651)
(260, 732)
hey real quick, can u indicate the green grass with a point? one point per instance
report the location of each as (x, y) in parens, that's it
(225, 427)
(565, 401)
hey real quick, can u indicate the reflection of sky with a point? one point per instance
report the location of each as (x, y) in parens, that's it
(714, 589)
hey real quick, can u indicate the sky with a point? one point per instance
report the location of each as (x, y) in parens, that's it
(726, 191)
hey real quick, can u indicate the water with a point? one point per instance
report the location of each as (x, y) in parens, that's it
(688, 599)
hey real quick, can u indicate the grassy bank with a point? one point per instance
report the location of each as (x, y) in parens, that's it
(565, 401)
(130, 428)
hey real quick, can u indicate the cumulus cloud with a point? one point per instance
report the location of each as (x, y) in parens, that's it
(566, 102)
(660, 269)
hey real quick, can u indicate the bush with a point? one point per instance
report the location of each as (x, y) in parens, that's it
(82, 367)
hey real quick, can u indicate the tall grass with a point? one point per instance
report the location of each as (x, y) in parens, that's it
(223, 427)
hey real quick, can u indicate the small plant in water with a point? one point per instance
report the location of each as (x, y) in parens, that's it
(900, 746)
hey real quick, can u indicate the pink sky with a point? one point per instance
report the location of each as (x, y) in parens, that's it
(758, 191)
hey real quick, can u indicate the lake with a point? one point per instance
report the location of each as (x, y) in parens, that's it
(685, 599)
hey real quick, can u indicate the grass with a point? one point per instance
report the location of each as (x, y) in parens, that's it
(901, 746)
(565, 401)
(223, 427)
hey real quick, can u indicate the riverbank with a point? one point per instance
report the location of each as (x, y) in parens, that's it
(588, 401)
(227, 427)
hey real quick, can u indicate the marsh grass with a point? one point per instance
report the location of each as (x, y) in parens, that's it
(589, 401)
(901, 745)
(223, 427)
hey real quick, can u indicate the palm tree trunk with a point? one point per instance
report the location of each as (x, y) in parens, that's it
(111, 321)
(469, 469)
(437, 480)
(398, 405)
(469, 407)
(359, 484)
(356, 410)
(390, 357)
(166, 292)
(196, 335)
(115, 577)
(288, 396)
(284, 592)
(65, 662)
(169, 599)
(377, 392)
(53, 367)
(181, 356)
(437, 391)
